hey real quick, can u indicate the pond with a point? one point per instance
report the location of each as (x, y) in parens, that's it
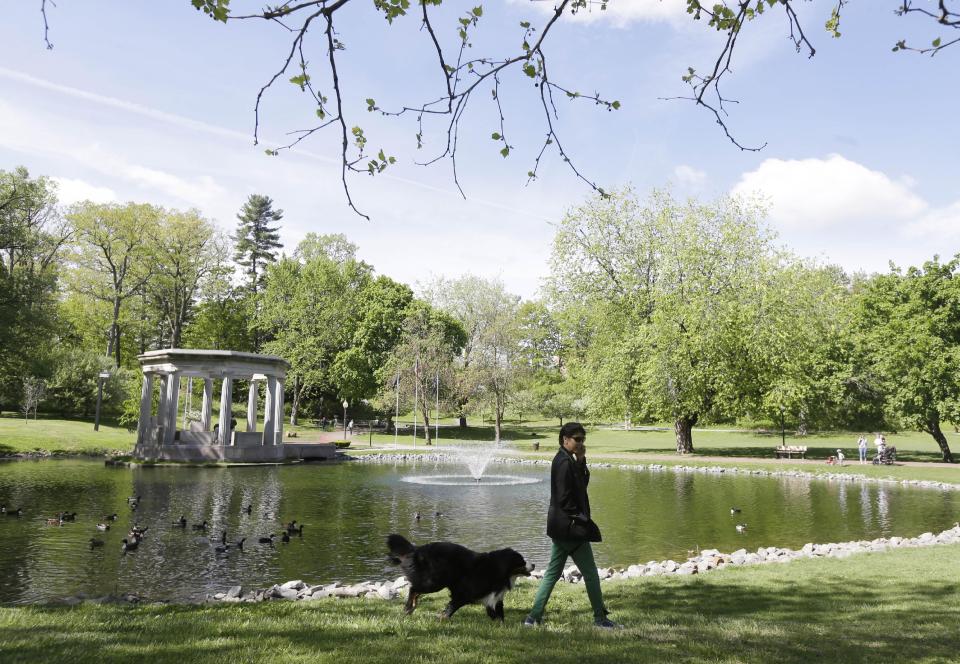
(349, 508)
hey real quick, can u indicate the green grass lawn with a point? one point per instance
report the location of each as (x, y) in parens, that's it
(893, 606)
(62, 436)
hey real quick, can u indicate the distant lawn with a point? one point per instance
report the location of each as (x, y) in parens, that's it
(58, 435)
(911, 445)
(897, 606)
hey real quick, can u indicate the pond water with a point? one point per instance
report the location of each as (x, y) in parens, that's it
(348, 510)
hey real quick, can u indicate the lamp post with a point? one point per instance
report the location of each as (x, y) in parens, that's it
(345, 404)
(103, 375)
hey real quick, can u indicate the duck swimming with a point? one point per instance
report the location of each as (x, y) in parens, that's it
(103, 526)
(200, 526)
(129, 545)
(267, 540)
(741, 527)
(181, 522)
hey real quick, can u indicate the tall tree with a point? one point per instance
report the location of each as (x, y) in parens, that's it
(32, 235)
(190, 251)
(909, 324)
(255, 240)
(114, 245)
(674, 293)
(309, 309)
(421, 366)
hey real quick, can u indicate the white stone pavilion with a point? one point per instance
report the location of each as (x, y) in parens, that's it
(158, 434)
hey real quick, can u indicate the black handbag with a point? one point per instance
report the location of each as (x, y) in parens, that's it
(583, 528)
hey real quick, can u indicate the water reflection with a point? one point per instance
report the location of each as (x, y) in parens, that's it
(348, 509)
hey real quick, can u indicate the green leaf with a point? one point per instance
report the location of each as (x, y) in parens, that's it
(530, 70)
(525, 24)
(495, 136)
(615, 105)
(505, 151)
(478, 11)
(371, 104)
(936, 42)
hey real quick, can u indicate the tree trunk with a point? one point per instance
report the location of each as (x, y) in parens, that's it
(295, 402)
(426, 424)
(933, 428)
(463, 421)
(496, 425)
(683, 426)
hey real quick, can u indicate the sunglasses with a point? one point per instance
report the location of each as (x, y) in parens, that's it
(579, 439)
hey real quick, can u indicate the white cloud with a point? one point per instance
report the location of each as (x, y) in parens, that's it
(70, 190)
(619, 13)
(831, 192)
(688, 175)
(943, 223)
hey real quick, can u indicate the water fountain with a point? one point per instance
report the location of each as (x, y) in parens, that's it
(476, 458)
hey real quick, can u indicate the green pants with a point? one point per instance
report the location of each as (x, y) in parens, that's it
(582, 556)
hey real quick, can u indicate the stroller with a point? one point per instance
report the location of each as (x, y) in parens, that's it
(885, 456)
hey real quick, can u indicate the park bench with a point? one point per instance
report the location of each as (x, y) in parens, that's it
(788, 451)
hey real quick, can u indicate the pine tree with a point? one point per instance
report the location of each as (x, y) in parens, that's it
(256, 240)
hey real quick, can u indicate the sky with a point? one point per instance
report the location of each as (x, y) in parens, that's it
(153, 102)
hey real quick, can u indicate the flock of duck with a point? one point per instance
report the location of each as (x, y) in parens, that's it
(137, 532)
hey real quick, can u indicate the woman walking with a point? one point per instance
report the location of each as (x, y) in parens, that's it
(570, 527)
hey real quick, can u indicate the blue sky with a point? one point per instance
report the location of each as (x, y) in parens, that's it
(151, 101)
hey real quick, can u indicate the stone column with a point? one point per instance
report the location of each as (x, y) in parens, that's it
(270, 411)
(173, 402)
(205, 411)
(146, 403)
(252, 406)
(226, 399)
(162, 407)
(278, 439)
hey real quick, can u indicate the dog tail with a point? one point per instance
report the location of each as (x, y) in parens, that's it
(399, 546)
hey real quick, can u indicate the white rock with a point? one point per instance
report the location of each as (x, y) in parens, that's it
(235, 591)
(292, 585)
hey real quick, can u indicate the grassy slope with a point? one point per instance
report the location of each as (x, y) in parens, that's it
(55, 435)
(894, 606)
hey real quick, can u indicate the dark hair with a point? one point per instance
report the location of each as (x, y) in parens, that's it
(571, 429)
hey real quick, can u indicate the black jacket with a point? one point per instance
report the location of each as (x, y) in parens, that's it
(569, 515)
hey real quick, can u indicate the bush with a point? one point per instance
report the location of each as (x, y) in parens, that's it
(342, 444)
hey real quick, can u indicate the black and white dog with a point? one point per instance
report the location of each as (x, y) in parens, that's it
(470, 576)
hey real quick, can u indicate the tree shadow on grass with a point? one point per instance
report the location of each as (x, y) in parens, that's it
(701, 619)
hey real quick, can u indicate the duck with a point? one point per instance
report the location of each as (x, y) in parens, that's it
(139, 532)
(239, 543)
(735, 510)
(129, 545)
(181, 522)
(16, 512)
(248, 509)
(285, 537)
(741, 527)
(438, 514)
(94, 542)
(267, 540)
(103, 526)
(223, 538)
(134, 499)
(200, 526)
(221, 548)
(69, 516)
(56, 521)
(289, 527)
(416, 515)
(110, 517)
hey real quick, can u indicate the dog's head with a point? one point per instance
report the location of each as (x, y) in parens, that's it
(513, 563)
